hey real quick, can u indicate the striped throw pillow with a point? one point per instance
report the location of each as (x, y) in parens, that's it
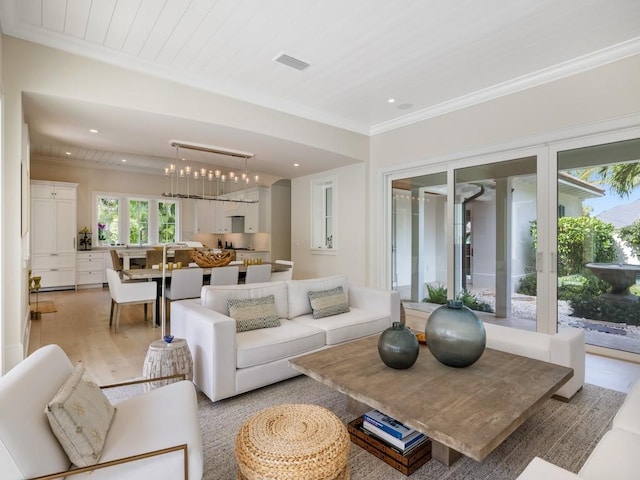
(253, 313)
(326, 303)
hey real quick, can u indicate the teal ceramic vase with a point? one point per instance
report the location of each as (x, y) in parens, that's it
(398, 347)
(455, 335)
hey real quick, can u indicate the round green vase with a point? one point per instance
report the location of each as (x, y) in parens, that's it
(398, 347)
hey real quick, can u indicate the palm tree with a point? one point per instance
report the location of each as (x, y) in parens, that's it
(621, 178)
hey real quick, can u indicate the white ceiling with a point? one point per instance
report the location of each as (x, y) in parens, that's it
(431, 56)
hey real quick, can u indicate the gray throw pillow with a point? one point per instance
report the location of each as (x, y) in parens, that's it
(326, 303)
(253, 313)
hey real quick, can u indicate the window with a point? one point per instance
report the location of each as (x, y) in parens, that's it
(323, 205)
(108, 220)
(167, 222)
(138, 222)
(123, 219)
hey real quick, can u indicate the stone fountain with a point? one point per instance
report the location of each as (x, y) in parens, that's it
(620, 276)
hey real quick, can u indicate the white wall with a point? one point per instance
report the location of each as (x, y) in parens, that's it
(351, 252)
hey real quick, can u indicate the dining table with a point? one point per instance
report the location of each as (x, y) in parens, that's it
(151, 274)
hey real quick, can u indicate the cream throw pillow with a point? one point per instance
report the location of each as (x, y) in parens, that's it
(80, 416)
(253, 313)
(326, 303)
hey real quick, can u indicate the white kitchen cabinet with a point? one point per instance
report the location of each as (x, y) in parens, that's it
(188, 216)
(256, 218)
(53, 233)
(206, 216)
(243, 255)
(90, 268)
(222, 218)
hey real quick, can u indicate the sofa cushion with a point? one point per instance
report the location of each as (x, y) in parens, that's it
(628, 416)
(168, 416)
(80, 416)
(28, 447)
(615, 457)
(348, 326)
(299, 303)
(253, 313)
(215, 296)
(256, 347)
(326, 303)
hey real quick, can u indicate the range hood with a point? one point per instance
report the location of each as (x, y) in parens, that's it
(237, 224)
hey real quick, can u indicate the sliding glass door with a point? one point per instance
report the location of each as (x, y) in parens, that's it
(598, 243)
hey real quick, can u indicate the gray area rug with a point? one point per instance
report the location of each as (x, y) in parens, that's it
(562, 433)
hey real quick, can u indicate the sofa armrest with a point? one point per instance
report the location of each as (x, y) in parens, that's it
(211, 337)
(120, 461)
(377, 299)
(539, 469)
(567, 349)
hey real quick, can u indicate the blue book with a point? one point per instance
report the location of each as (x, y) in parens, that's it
(403, 446)
(390, 425)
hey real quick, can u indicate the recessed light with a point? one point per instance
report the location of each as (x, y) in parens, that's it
(67, 153)
(391, 100)
(93, 130)
(124, 160)
(296, 164)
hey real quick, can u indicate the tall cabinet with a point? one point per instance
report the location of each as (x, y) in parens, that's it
(53, 233)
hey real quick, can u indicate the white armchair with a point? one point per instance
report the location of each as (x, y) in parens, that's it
(152, 435)
(130, 294)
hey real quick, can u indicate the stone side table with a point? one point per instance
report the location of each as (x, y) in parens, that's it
(164, 359)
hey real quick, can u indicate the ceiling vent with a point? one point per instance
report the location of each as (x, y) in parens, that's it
(289, 61)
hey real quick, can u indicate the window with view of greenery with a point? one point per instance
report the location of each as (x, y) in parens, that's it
(108, 219)
(167, 222)
(128, 219)
(138, 221)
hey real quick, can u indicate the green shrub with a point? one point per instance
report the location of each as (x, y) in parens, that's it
(437, 293)
(581, 240)
(528, 285)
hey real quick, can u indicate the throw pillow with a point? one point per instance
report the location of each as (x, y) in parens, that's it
(253, 313)
(326, 303)
(80, 416)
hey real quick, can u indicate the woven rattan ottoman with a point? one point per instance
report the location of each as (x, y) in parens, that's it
(293, 441)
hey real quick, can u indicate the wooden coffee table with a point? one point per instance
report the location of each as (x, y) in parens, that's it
(465, 411)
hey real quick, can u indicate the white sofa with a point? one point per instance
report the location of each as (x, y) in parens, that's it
(565, 348)
(615, 456)
(227, 363)
(160, 419)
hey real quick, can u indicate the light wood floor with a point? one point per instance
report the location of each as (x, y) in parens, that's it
(81, 327)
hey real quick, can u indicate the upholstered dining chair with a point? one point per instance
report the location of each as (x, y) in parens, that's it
(154, 257)
(129, 294)
(283, 276)
(225, 275)
(185, 283)
(182, 255)
(116, 261)
(258, 273)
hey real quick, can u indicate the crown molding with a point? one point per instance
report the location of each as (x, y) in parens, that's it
(547, 75)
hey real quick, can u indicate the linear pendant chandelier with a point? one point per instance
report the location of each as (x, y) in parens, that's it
(205, 184)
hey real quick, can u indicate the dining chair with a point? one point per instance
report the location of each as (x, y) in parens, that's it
(258, 273)
(225, 275)
(154, 257)
(116, 261)
(129, 294)
(284, 275)
(182, 255)
(185, 283)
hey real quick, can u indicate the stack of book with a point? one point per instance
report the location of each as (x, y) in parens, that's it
(392, 432)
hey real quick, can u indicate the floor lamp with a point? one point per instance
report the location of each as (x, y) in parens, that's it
(163, 306)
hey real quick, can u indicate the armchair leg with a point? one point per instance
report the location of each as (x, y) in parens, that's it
(111, 313)
(118, 307)
(153, 314)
